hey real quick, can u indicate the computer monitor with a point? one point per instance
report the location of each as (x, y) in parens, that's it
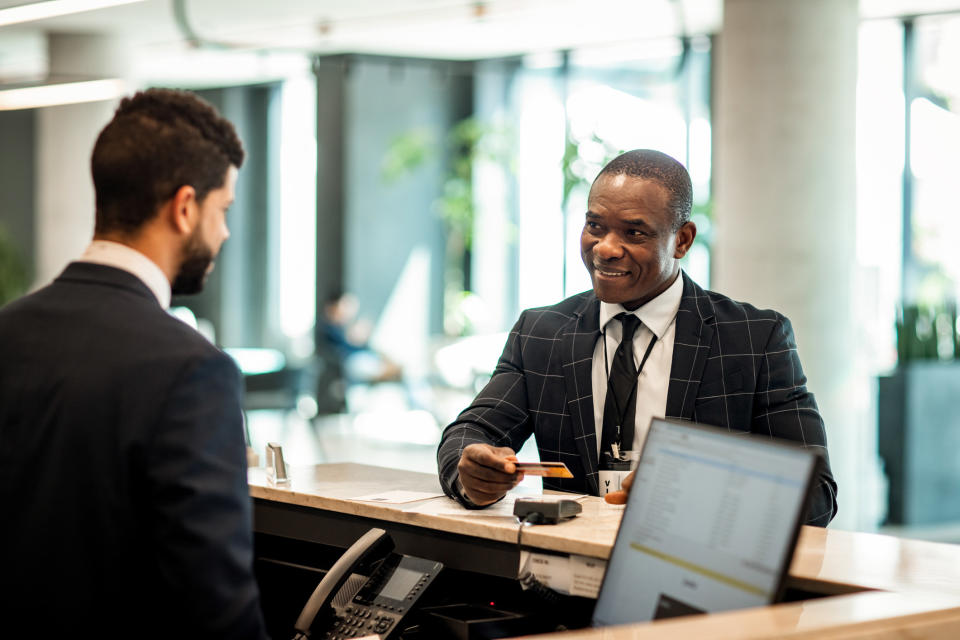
(710, 525)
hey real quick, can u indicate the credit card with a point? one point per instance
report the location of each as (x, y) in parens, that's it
(546, 469)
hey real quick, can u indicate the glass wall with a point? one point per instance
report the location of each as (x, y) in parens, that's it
(579, 109)
(934, 158)
(908, 160)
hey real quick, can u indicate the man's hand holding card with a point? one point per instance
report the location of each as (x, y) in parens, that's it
(486, 473)
(545, 469)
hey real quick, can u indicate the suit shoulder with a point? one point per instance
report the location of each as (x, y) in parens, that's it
(548, 320)
(727, 309)
(565, 308)
(185, 356)
(23, 304)
(160, 336)
(187, 339)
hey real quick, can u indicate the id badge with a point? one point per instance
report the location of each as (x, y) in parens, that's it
(611, 480)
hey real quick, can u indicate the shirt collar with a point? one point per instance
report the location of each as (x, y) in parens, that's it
(657, 314)
(114, 254)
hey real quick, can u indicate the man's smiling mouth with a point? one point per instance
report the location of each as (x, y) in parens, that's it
(611, 274)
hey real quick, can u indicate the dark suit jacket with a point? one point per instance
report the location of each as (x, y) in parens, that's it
(734, 366)
(122, 469)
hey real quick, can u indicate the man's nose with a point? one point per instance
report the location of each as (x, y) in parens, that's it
(609, 247)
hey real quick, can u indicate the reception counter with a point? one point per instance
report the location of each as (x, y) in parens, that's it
(876, 586)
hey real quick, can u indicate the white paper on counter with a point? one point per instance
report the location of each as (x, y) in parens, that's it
(573, 575)
(450, 507)
(397, 496)
(549, 497)
(504, 508)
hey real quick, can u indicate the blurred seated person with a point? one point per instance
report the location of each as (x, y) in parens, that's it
(349, 337)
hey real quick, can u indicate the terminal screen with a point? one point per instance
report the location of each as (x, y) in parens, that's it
(710, 525)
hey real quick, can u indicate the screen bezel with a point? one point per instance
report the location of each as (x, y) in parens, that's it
(815, 461)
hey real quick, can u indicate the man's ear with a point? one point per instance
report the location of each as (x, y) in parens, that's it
(185, 212)
(685, 236)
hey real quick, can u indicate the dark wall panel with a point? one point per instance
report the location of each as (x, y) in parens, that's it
(236, 298)
(386, 221)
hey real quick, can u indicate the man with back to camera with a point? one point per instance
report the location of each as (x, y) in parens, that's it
(122, 455)
(566, 376)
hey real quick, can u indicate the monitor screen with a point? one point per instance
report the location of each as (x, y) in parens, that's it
(710, 524)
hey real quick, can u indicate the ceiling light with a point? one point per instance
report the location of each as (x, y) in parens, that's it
(64, 93)
(53, 8)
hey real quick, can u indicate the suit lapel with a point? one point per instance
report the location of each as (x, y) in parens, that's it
(694, 336)
(579, 339)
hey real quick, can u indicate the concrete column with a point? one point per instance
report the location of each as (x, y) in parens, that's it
(65, 137)
(785, 189)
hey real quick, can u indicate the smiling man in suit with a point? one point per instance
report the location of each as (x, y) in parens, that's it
(586, 375)
(122, 456)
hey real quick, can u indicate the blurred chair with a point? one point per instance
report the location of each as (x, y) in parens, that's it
(328, 381)
(269, 381)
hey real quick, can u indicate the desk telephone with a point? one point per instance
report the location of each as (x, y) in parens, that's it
(352, 605)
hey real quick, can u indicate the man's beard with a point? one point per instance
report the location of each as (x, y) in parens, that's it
(197, 258)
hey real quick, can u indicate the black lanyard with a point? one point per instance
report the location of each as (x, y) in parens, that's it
(622, 412)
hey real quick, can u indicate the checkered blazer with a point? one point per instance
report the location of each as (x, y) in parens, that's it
(734, 366)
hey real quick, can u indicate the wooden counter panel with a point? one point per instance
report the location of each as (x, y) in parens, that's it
(833, 561)
(873, 615)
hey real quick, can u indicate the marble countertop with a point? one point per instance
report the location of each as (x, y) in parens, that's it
(332, 486)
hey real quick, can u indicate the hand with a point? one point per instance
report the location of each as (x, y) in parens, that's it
(620, 497)
(487, 472)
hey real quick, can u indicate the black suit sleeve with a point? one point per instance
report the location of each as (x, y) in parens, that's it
(784, 408)
(499, 415)
(201, 506)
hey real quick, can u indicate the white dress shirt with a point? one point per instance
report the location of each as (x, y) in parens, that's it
(659, 317)
(114, 254)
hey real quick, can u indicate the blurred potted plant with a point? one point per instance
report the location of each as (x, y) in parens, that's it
(13, 274)
(927, 332)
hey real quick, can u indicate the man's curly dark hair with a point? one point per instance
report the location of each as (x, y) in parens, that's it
(158, 141)
(661, 168)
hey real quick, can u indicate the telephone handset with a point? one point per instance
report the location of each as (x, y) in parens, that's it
(363, 606)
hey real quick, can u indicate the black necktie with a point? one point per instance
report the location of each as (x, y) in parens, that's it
(620, 406)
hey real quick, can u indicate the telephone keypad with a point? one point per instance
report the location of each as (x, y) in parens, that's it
(359, 621)
(371, 612)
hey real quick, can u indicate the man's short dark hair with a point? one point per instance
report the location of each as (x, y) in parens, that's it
(158, 141)
(654, 165)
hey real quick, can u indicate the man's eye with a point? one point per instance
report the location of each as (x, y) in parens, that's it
(590, 224)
